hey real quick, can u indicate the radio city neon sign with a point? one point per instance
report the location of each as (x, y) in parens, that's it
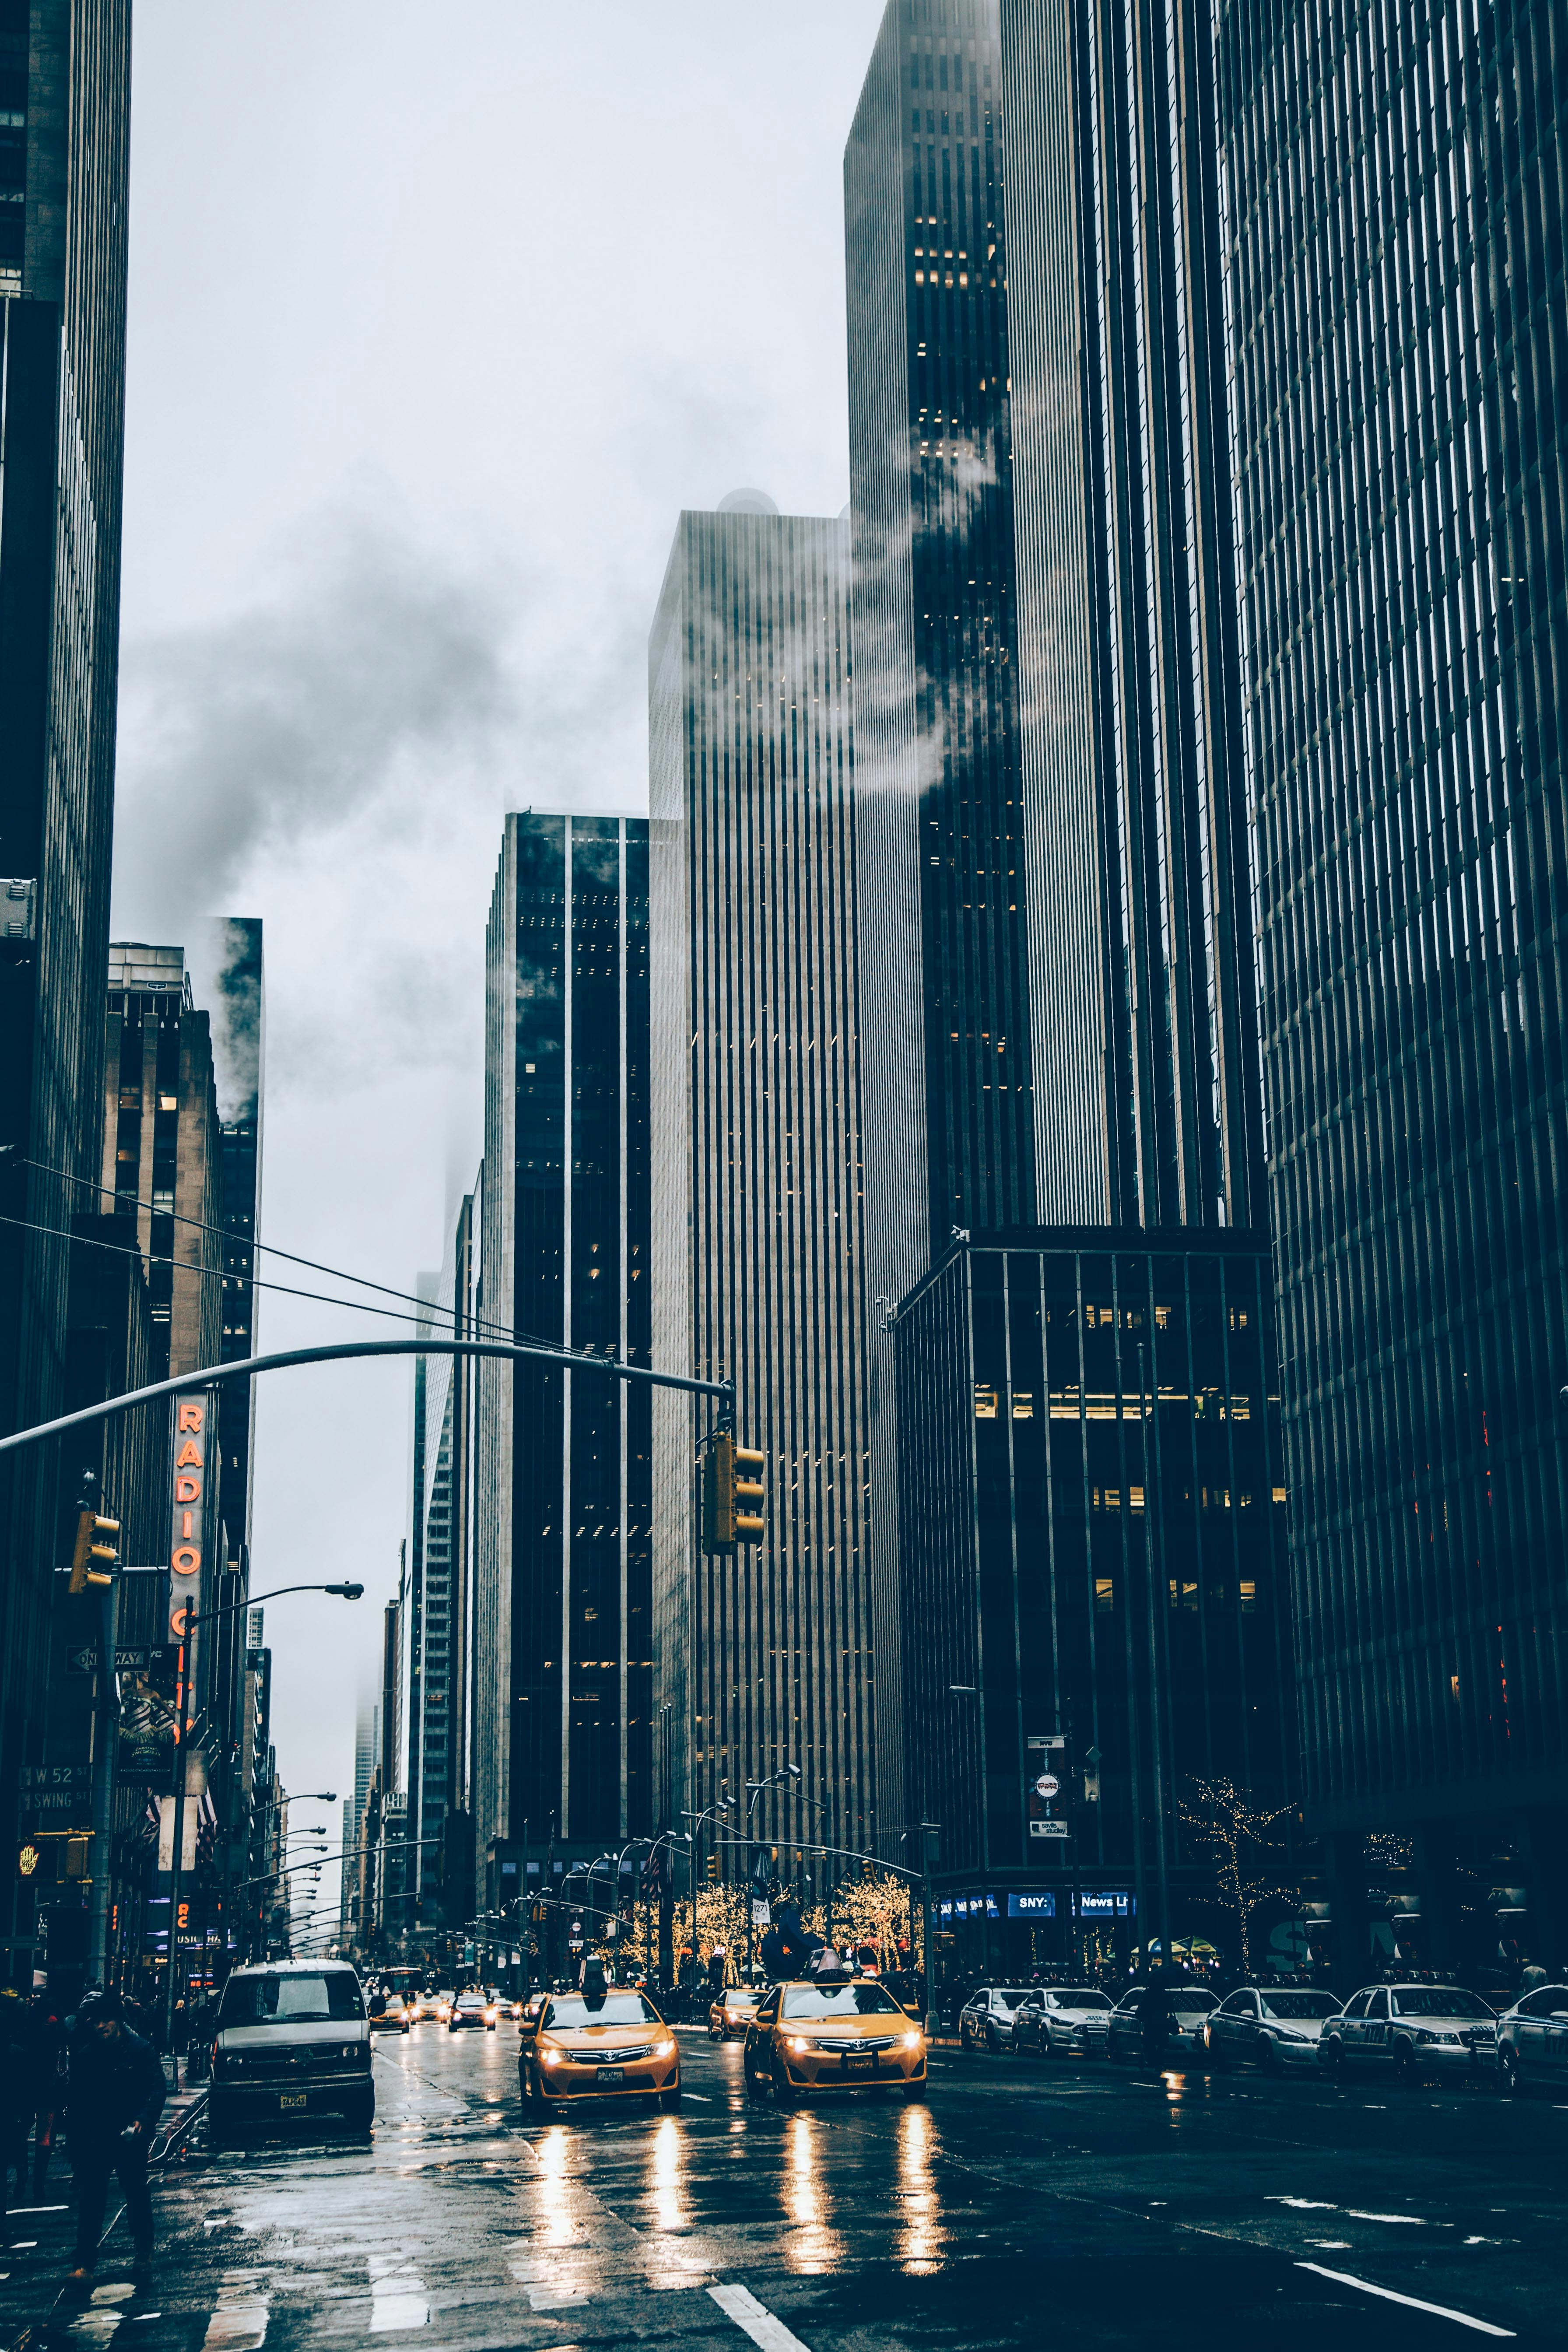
(189, 1474)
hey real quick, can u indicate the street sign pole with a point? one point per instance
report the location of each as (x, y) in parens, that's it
(105, 1733)
(928, 1833)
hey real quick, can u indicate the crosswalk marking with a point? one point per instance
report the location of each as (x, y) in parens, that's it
(741, 2306)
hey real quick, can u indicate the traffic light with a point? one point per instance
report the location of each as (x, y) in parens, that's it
(712, 1870)
(734, 1498)
(95, 1556)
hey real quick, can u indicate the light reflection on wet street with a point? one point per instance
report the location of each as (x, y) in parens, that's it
(1086, 2206)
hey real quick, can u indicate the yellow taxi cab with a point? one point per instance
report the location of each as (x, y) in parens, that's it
(599, 2045)
(845, 2036)
(732, 2011)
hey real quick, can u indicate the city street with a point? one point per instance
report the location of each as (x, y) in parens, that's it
(1082, 2205)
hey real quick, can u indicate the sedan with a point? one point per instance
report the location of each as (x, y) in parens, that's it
(732, 2011)
(1533, 2041)
(807, 2038)
(1062, 2021)
(473, 2008)
(987, 2016)
(599, 2046)
(391, 2015)
(1268, 2026)
(1414, 2030)
(1190, 2008)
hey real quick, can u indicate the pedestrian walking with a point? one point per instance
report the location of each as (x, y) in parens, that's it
(115, 2091)
(1155, 2022)
(45, 2066)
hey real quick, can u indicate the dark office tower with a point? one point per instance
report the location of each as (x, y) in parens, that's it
(764, 1655)
(438, 1582)
(226, 976)
(563, 1646)
(164, 1152)
(1400, 520)
(65, 101)
(1058, 1031)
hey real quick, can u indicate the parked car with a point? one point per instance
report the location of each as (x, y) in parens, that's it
(1533, 2041)
(1414, 2030)
(987, 2016)
(1062, 2020)
(1271, 2026)
(292, 2039)
(1190, 2008)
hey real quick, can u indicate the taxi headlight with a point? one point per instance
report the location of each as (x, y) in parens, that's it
(911, 2042)
(552, 2056)
(799, 2049)
(664, 2049)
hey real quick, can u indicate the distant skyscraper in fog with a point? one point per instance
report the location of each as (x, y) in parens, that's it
(764, 1655)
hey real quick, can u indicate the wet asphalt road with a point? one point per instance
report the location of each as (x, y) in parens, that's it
(1086, 2205)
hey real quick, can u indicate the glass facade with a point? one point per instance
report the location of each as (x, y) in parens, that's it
(1050, 810)
(563, 1632)
(1102, 1556)
(1393, 196)
(764, 1655)
(65, 93)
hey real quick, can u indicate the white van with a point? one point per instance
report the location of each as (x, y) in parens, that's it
(292, 2039)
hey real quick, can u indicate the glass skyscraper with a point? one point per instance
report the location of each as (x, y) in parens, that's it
(65, 94)
(1058, 1033)
(1392, 199)
(563, 1638)
(764, 1655)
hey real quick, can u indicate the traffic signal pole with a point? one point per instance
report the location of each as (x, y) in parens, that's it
(350, 1350)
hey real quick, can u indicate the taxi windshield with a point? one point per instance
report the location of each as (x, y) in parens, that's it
(1299, 2004)
(840, 2001)
(614, 2008)
(740, 1997)
(1076, 1997)
(1438, 2000)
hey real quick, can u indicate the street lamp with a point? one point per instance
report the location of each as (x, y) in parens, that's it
(184, 1622)
(755, 1789)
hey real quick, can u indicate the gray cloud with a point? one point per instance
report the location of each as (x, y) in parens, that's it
(280, 722)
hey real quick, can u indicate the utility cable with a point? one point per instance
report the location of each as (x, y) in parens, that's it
(428, 1307)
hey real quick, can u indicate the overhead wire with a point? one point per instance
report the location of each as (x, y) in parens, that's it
(429, 1306)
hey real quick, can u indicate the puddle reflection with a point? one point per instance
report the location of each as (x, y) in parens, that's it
(818, 2247)
(919, 2245)
(665, 2176)
(555, 2188)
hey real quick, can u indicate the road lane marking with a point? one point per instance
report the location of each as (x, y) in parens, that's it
(741, 2306)
(1411, 2302)
(1304, 2204)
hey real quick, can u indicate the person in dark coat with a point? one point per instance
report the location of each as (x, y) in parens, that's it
(114, 2095)
(1155, 2022)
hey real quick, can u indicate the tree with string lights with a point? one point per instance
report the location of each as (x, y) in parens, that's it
(1242, 1838)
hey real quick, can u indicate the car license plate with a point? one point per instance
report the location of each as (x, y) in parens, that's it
(611, 2077)
(859, 2062)
(291, 2098)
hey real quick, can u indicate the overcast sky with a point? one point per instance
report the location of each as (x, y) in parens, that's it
(438, 316)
